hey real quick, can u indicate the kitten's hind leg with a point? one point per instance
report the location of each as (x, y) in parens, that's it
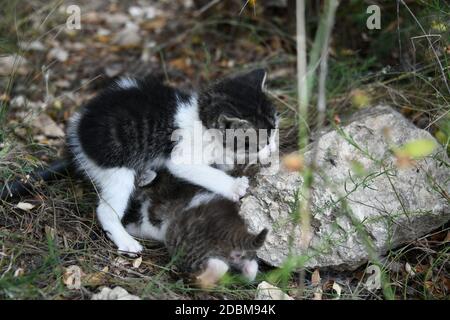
(214, 271)
(116, 186)
(146, 177)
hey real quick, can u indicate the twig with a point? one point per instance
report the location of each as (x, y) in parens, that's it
(202, 10)
(302, 89)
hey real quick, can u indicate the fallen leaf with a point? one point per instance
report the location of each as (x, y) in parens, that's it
(43, 123)
(318, 294)
(118, 293)
(294, 162)
(25, 206)
(337, 119)
(207, 280)
(72, 277)
(50, 232)
(409, 269)
(120, 262)
(155, 24)
(266, 291)
(180, 63)
(117, 19)
(95, 279)
(447, 237)
(128, 37)
(315, 278)
(137, 262)
(4, 97)
(338, 290)
(19, 272)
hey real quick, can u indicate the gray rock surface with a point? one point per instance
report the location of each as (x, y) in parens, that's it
(393, 205)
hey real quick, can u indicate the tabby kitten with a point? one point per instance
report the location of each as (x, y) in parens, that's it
(203, 231)
(126, 133)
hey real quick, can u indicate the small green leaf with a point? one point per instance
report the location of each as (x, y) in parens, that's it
(419, 148)
(441, 137)
(358, 168)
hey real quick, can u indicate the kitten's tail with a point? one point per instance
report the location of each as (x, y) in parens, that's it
(258, 240)
(18, 187)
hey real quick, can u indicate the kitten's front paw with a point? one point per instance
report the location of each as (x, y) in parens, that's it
(250, 270)
(130, 247)
(239, 188)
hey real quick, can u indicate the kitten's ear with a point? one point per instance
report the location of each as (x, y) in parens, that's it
(256, 78)
(259, 239)
(226, 122)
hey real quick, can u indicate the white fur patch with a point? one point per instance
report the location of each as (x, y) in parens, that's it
(201, 198)
(263, 82)
(127, 83)
(187, 113)
(145, 229)
(197, 171)
(216, 267)
(250, 269)
(116, 186)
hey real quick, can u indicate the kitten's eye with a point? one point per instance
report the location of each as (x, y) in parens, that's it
(236, 255)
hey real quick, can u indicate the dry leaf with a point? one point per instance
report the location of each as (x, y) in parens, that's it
(338, 290)
(25, 206)
(97, 278)
(266, 291)
(128, 37)
(318, 294)
(180, 63)
(208, 279)
(72, 277)
(315, 278)
(44, 124)
(409, 269)
(154, 24)
(137, 262)
(120, 262)
(19, 272)
(118, 293)
(294, 162)
(50, 232)
(337, 119)
(447, 237)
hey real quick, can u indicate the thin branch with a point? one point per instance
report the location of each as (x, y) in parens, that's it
(302, 89)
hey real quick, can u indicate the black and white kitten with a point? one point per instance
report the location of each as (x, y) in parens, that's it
(125, 134)
(202, 230)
